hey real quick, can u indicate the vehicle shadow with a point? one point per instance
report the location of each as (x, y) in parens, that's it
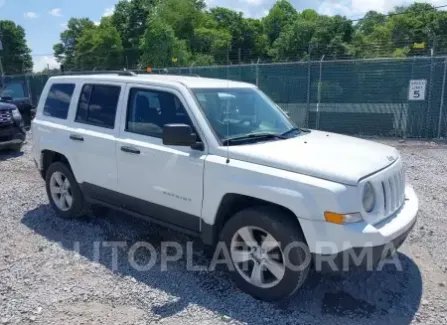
(386, 297)
(6, 154)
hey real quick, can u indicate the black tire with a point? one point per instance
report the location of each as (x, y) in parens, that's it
(285, 231)
(26, 116)
(78, 207)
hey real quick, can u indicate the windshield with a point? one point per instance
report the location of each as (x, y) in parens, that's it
(236, 112)
(14, 90)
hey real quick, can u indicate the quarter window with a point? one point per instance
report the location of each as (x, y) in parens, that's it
(149, 110)
(58, 100)
(97, 105)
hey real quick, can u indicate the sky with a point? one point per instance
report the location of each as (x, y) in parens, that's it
(44, 20)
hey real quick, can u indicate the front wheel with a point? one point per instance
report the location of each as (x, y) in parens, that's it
(269, 255)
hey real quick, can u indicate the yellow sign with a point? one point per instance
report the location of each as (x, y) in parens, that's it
(419, 45)
(174, 60)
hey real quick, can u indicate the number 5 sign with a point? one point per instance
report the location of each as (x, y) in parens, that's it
(417, 89)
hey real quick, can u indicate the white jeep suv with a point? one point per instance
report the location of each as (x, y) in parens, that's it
(218, 159)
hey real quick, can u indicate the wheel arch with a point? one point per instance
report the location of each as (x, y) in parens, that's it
(48, 157)
(230, 204)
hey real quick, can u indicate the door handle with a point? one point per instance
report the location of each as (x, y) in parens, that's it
(76, 137)
(130, 150)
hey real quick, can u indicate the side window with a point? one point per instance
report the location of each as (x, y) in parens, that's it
(97, 105)
(14, 90)
(58, 100)
(149, 110)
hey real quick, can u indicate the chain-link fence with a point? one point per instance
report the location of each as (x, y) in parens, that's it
(379, 97)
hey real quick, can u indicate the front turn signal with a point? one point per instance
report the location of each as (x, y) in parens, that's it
(339, 218)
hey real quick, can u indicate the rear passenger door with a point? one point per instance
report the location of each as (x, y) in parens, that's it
(164, 182)
(93, 135)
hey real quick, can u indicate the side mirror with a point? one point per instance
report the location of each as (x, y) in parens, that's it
(178, 135)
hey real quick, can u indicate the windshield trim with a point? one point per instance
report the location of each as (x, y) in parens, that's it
(219, 140)
(208, 123)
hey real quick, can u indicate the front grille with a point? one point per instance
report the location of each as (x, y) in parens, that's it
(393, 191)
(5, 118)
(389, 186)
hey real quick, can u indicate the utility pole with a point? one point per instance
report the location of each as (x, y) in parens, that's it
(2, 72)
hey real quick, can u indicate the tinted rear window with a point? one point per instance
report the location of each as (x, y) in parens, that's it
(58, 100)
(97, 105)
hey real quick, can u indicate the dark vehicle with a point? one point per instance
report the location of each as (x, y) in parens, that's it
(12, 129)
(15, 92)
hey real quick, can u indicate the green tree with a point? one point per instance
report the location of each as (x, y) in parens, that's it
(279, 18)
(202, 60)
(182, 15)
(16, 55)
(99, 48)
(369, 22)
(312, 37)
(248, 41)
(331, 37)
(130, 19)
(293, 43)
(212, 41)
(160, 46)
(65, 51)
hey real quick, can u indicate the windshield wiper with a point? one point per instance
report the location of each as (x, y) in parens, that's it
(293, 130)
(253, 136)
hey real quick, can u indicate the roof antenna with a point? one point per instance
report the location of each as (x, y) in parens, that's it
(228, 142)
(228, 125)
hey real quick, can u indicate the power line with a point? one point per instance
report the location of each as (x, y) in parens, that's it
(404, 13)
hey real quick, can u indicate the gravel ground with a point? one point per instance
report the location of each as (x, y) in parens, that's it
(51, 273)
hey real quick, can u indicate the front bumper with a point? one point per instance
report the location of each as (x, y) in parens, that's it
(337, 243)
(11, 136)
(358, 257)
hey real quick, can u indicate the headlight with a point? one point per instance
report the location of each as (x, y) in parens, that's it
(17, 116)
(368, 197)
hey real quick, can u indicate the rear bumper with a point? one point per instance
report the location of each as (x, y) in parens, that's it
(346, 243)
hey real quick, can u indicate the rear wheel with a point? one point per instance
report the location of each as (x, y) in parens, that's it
(64, 192)
(269, 255)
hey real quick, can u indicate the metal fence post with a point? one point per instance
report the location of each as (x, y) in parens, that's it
(317, 122)
(428, 117)
(441, 105)
(30, 93)
(306, 118)
(257, 73)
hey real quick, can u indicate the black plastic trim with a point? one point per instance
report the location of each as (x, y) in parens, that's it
(149, 211)
(130, 150)
(76, 137)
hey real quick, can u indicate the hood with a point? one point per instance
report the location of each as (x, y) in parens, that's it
(6, 106)
(339, 158)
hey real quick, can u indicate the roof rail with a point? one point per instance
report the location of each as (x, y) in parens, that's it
(127, 73)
